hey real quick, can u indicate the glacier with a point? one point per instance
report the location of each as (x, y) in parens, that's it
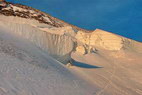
(26, 70)
(58, 38)
(49, 39)
(61, 42)
(34, 48)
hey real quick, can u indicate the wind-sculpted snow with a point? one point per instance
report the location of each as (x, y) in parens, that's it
(44, 31)
(50, 39)
(33, 45)
(102, 39)
(60, 42)
(27, 70)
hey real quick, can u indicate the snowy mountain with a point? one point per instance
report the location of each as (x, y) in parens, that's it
(34, 48)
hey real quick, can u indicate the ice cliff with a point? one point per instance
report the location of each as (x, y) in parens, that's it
(56, 37)
(50, 39)
(33, 46)
(103, 39)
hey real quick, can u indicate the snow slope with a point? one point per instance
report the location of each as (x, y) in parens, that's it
(27, 70)
(51, 39)
(33, 46)
(115, 72)
(110, 62)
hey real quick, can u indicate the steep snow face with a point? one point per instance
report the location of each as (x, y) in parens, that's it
(53, 40)
(26, 70)
(56, 37)
(102, 39)
(59, 42)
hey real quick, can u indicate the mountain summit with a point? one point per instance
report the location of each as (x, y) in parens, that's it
(35, 48)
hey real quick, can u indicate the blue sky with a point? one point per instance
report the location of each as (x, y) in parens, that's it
(123, 17)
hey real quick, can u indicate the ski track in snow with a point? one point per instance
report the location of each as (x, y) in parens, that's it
(109, 82)
(113, 82)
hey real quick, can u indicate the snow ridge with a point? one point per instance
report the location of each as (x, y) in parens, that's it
(19, 10)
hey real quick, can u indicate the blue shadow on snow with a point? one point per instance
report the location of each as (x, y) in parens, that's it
(84, 65)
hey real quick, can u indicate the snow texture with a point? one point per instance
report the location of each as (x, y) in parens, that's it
(50, 39)
(33, 46)
(27, 70)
